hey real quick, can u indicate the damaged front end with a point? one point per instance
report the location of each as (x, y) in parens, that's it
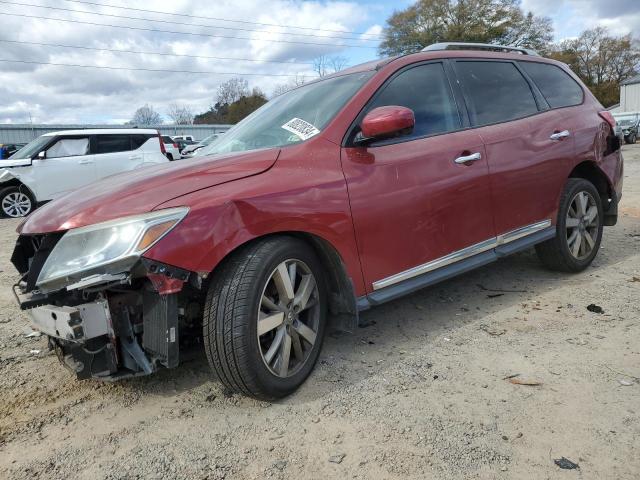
(116, 314)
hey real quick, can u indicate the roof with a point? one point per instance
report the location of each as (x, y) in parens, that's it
(104, 131)
(631, 81)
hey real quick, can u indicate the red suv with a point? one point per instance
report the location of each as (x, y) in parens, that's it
(337, 196)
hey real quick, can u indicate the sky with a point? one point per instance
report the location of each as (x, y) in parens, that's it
(268, 42)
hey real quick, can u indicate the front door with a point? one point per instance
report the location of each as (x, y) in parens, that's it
(419, 200)
(66, 166)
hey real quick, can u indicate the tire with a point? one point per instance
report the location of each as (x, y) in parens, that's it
(560, 253)
(16, 202)
(249, 282)
(633, 139)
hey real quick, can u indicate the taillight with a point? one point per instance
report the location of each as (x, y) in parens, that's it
(162, 149)
(606, 115)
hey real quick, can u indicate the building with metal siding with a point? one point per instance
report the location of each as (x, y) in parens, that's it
(629, 96)
(24, 133)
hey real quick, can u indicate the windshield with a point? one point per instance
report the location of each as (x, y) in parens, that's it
(30, 149)
(291, 117)
(208, 140)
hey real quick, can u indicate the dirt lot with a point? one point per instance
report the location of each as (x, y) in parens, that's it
(421, 393)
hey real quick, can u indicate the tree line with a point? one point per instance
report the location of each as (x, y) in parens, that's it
(600, 59)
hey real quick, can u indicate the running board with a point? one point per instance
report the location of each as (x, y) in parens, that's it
(404, 287)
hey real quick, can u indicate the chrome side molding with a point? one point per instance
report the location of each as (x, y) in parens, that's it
(462, 254)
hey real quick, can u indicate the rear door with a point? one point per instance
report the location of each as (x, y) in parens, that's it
(412, 204)
(114, 154)
(67, 165)
(527, 165)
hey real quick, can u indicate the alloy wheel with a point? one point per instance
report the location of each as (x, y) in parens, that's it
(582, 225)
(16, 204)
(288, 318)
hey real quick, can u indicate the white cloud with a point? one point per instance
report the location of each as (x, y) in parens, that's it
(67, 95)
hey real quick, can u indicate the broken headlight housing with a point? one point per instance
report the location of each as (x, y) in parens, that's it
(108, 247)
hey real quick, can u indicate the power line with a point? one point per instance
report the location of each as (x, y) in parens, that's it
(155, 69)
(7, 2)
(59, 45)
(218, 18)
(195, 34)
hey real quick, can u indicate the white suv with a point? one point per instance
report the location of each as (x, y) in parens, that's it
(59, 162)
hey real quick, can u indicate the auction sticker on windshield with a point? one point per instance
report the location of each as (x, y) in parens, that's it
(300, 128)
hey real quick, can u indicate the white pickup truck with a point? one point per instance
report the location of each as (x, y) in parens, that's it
(59, 162)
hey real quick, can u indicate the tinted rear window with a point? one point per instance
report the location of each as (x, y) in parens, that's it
(112, 143)
(557, 86)
(497, 92)
(138, 140)
(167, 139)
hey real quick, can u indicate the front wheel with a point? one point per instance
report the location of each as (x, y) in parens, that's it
(578, 229)
(15, 202)
(265, 316)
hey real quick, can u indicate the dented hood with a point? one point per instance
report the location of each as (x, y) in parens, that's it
(140, 191)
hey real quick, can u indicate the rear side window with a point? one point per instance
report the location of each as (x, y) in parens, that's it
(497, 92)
(112, 143)
(425, 90)
(138, 140)
(559, 89)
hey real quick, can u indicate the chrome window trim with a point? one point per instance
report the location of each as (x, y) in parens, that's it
(462, 254)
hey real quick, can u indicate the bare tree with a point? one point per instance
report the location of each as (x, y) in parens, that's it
(294, 82)
(232, 90)
(180, 114)
(324, 65)
(146, 115)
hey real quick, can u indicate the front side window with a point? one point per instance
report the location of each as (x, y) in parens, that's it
(112, 143)
(497, 92)
(69, 147)
(557, 87)
(425, 90)
(291, 117)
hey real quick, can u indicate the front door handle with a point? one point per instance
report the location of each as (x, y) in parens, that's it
(560, 135)
(85, 162)
(468, 158)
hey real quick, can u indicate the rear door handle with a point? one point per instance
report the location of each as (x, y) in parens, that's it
(560, 135)
(85, 162)
(468, 158)
(135, 157)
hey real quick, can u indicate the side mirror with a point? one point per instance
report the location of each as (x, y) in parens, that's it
(42, 155)
(386, 122)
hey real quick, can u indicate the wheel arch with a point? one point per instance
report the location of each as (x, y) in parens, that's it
(590, 171)
(342, 297)
(14, 182)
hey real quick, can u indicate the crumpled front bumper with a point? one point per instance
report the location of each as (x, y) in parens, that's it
(108, 325)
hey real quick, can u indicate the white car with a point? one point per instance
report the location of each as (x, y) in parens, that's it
(171, 148)
(59, 162)
(192, 150)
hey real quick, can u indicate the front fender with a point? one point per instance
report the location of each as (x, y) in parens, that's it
(308, 197)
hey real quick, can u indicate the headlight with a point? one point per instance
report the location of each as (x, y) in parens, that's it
(115, 244)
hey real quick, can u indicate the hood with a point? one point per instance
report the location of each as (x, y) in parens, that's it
(23, 162)
(140, 191)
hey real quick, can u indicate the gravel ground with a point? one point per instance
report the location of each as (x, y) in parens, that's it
(420, 393)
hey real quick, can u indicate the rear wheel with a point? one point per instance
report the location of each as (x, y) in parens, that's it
(265, 318)
(578, 229)
(15, 202)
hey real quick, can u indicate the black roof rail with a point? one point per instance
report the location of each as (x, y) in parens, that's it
(479, 46)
